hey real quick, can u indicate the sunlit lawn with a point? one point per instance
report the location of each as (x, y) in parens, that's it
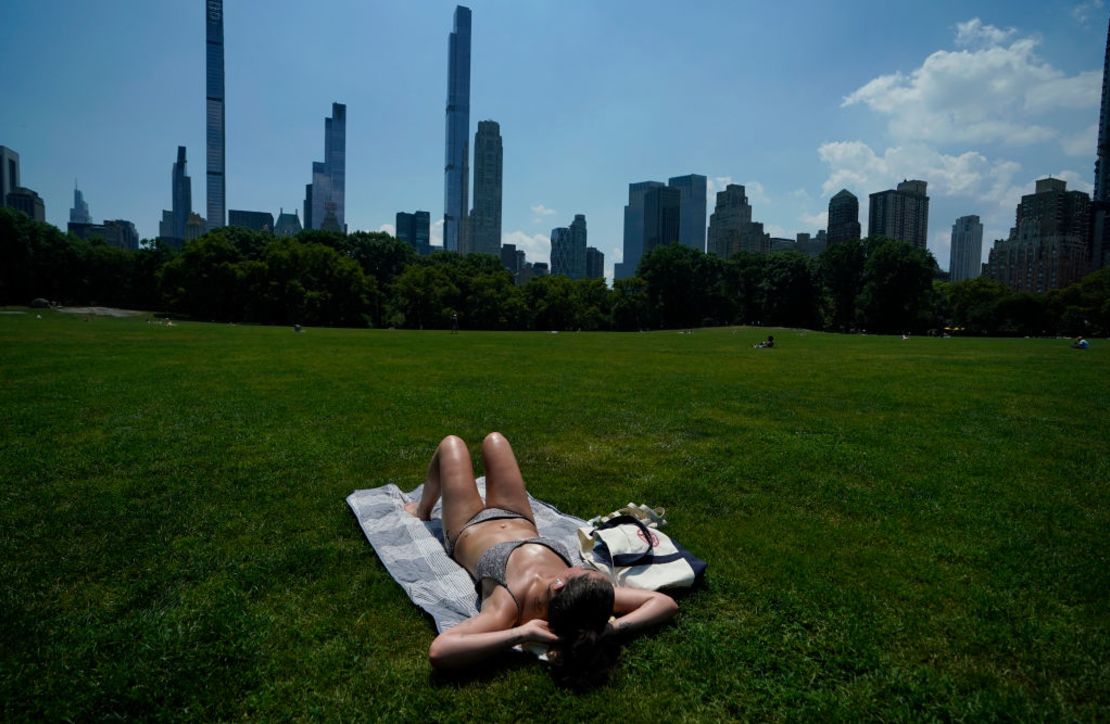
(894, 529)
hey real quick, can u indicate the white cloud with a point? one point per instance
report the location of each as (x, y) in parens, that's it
(756, 193)
(1082, 143)
(389, 229)
(974, 32)
(436, 233)
(539, 212)
(718, 183)
(1084, 10)
(537, 247)
(853, 164)
(1075, 181)
(777, 231)
(815, 221)
(992, 93)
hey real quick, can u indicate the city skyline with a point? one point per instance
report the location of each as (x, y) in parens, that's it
(847, 119)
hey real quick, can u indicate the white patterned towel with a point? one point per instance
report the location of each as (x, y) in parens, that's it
(412, 550)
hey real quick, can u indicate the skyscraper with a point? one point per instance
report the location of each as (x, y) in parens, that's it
(966, 257)
(1100, 208)
(1049, 245)
(9, 173)
(731, 229)
(172, 228)
(24, 199)
(79, 214)
(843, 217)
(327, 192)
(217, 201)
(484, 235)
(416, 230)
(691, 228)
(633, 229)
(595, 263)
(662, 217)
(901, 214)
(568, 249)
(456, 196)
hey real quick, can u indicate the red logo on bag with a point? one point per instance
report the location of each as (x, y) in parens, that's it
(654, 538)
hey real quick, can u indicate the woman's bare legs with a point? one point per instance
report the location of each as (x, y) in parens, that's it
(504, 483)
(450, 474)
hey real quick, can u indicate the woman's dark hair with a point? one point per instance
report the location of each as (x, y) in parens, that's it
(578, 614)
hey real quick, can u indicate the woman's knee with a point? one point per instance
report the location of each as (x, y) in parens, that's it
(452, 442)
(494, 440)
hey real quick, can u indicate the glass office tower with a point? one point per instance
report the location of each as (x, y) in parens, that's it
(455, 192)
(215, 123)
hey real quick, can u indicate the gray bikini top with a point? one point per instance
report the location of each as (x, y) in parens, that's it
(495, 561)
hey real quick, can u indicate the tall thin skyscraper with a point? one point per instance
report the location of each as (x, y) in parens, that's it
(1100, 208)
(484, 235)
(456, 196)
(79, 214)
(966, 256)
(691, 230)
(217, 202)
(633, 229)
(901, 214)
(9, 173)
(174, 222)
(325, 197)
(843, 217)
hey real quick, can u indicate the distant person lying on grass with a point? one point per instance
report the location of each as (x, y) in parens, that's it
(766, 344)
(1080, 343)
(529, 590)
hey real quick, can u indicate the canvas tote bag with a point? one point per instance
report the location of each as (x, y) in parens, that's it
(634, 554)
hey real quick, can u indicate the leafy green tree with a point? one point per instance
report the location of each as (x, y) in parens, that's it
(789, 291)
(204, 280)
(145, 265)
(840, 272)
(631, 307)
(593, 305)
(974, 303)
(381, 258)
(314, 284)
(1083, 307)
(679, 285)
(551, 301)
(897, 287)
(105, 273)
(423, 296)
(743, 282)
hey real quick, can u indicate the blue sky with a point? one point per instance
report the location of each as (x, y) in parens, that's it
(795, 100)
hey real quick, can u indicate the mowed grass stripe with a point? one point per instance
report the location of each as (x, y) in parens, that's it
(895, 529)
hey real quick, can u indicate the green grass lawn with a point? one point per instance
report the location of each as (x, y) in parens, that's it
(895, 530)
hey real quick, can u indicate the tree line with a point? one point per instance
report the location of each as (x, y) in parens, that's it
(371, 279)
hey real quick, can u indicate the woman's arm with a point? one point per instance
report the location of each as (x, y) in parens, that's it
(487, 633)
(638, 609)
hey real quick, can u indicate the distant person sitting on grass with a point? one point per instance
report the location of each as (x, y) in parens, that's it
(768, 343)
(1080, 343)
(530, 592)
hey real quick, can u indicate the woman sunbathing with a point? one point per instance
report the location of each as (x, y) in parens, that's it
(530, 590)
